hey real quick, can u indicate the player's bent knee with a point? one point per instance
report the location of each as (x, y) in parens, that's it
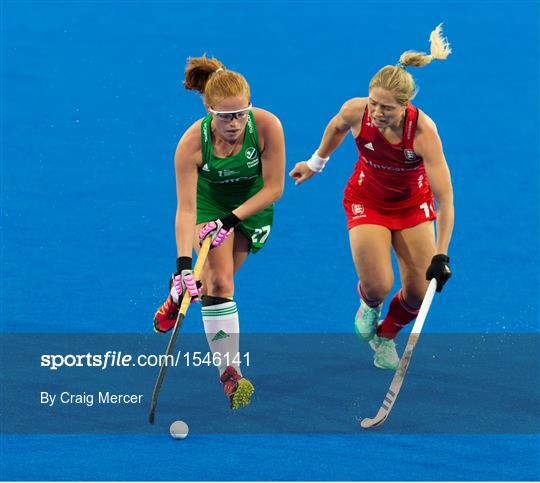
(219, 286)
(376, 290)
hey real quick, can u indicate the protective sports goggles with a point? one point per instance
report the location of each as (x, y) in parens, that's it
(230, 115)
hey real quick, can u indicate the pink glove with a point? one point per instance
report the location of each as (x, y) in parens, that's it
(219, 229)
(184, 281)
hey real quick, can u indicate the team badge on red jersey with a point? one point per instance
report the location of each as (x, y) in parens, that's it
(357, 209)
(410, 155)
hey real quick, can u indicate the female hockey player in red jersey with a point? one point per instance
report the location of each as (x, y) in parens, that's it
(389, 198)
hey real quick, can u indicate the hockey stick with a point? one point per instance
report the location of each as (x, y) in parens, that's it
(397, 381)
(186, 300)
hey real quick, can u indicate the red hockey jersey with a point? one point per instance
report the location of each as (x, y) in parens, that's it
(389, 176)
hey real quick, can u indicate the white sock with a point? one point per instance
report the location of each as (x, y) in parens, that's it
(222, 328)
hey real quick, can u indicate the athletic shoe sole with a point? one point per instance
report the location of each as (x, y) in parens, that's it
(242, 395)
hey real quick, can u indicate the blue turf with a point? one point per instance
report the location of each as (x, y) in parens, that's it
(270, 457)
(92, 108)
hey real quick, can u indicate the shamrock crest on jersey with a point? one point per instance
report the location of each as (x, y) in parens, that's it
(252, 157)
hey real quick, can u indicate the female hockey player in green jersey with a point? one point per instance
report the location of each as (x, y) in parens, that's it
(229, 171)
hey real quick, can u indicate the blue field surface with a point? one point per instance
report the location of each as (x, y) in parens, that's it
(92, 106)
(270, 457)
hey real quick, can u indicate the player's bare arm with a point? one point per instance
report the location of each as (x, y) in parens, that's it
(186, 160)
(347, 119)
(428, 145)
(272, 143)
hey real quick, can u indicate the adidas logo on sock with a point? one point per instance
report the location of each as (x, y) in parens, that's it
(220, 335)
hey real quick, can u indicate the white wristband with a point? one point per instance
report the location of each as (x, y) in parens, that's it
(316, 163)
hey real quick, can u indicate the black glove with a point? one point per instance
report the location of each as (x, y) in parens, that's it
(439, 270)
(229, 221)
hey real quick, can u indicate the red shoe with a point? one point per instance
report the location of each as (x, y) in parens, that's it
(236, 387)
(166, 315)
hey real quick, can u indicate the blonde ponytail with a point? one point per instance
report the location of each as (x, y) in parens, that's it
(397, 80)
(439, 48)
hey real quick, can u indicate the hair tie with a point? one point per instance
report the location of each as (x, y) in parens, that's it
(401, 64)
(218, 70)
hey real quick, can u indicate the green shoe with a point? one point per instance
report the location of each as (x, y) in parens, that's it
(386, 356)
(366, 320)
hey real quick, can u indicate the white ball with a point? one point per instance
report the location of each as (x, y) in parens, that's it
(179, 430)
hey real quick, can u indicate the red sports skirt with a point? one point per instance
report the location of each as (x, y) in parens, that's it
(358, 213)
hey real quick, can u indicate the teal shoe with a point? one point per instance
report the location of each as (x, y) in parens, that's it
(366, 320)
(386, 356)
